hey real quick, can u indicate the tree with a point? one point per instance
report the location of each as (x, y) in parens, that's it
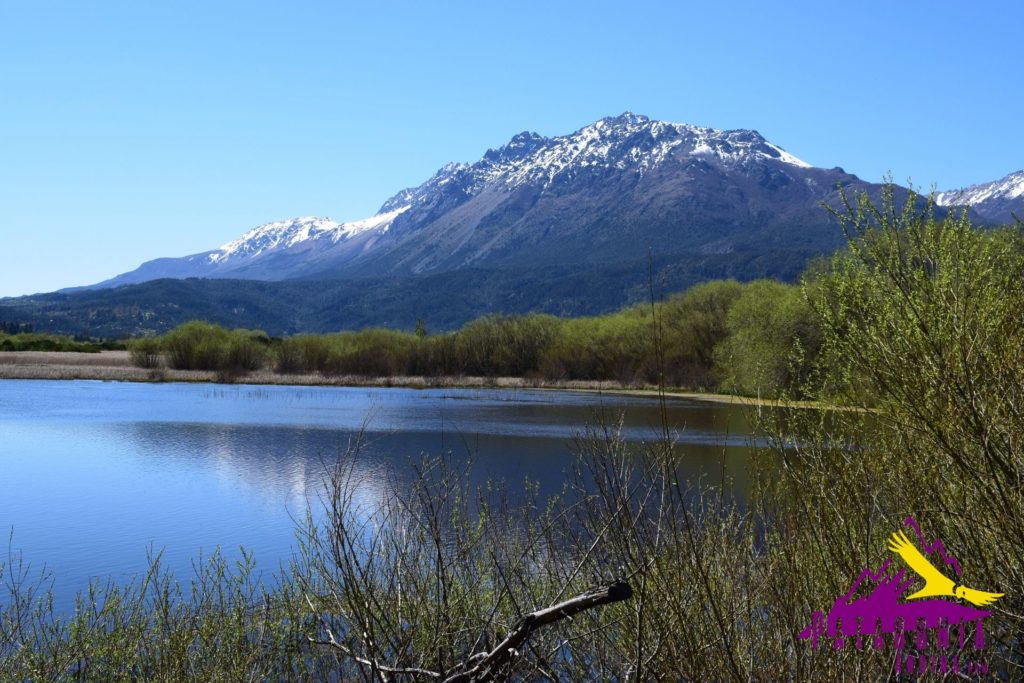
(772, 339)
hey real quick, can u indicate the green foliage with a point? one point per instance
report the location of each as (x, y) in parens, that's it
(31, 341)
(920, 321)
(615, 347)
(771, 338)
(745, 333)
(302, 354)
(146, 352)
(922, 318)
(505, 346)
(224, 626)
(198, 345)
(694, 325)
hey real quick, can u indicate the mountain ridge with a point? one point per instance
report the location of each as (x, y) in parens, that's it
(609, 189)
(1000, 201)
(534, 193)
(568, 225)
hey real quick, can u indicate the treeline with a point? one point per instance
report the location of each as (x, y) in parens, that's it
(446, 300)
(717, 335)
(14, 328)
(29, 341)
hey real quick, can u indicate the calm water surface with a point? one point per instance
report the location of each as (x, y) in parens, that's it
(94, 473)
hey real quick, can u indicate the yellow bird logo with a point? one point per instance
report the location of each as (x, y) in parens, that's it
(936, 584)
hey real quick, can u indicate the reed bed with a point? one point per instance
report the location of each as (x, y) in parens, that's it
(106, 359)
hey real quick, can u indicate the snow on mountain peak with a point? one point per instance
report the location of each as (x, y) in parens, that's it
(284, 234)
(381, 221)
(1010, 187)
(628, 142)
(278, 234)
(788, 158)
(632, 140)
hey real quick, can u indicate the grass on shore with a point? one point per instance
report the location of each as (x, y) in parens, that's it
(116, 366)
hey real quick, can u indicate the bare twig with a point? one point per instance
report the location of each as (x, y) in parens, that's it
(493, 662)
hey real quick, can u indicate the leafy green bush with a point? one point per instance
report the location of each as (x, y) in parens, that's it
(694, 324)
(772, 340)
(922, 338)
(198, 345)
(303, 354)
(504, 345)
(146, 352)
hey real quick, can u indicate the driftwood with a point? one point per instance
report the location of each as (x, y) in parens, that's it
(491, 663)
(488, 665)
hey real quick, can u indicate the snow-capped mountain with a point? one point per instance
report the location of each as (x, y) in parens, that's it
(283, 235)
(627, 142)
(568, 225)
(263, 244)
(611, 191)
(998, 201)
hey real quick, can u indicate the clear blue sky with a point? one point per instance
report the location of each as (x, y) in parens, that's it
(132, 130)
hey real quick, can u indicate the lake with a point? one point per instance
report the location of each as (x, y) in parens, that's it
(92, 474)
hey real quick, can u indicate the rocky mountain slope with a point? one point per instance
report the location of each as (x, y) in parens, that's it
(998, 201)
(611, 191)
(567, 225)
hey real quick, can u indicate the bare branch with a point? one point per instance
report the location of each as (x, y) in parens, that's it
(491, 664)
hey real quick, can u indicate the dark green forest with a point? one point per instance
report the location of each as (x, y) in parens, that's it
(444, 301)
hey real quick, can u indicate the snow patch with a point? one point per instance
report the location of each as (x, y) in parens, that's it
(381, 222)
(1010, 187)
(628, 142)
(789, 158)
(282, 235)
(625, 142)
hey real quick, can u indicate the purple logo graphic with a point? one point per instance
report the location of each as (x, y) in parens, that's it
(924, 626)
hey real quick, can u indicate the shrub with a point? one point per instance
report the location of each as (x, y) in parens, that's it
(504, 346)
(694, 325)
(244, 353)
(32, 341)
(772, 339)
(201, 346)
(146, 352)
(303, 354)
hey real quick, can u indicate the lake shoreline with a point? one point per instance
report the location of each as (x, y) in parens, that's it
(115, 366)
